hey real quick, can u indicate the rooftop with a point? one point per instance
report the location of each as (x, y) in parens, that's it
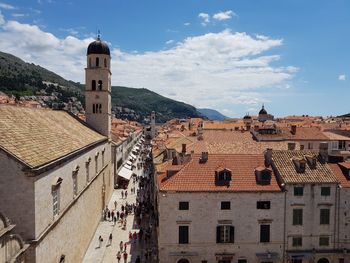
(283, 161)
(37, 137)
(200, 177)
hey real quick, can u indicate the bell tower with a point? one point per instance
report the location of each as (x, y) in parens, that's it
(98, 87)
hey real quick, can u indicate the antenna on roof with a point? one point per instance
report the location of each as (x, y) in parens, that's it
(98, 34)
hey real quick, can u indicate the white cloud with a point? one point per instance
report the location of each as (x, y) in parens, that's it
(342, 77)
(19, 15)
(224, 15)
(217, 70)
(205, 18)
(2, 19)
(187, 24)
(6, 6)
(169, 42)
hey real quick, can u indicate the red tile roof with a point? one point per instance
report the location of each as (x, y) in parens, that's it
(343, 179)
(200, 177)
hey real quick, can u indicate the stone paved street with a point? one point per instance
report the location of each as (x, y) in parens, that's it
(107, 252)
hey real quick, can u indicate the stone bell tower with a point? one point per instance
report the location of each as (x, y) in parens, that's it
(153, 124)
(98, 87)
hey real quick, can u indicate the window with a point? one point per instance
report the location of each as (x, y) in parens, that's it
(56, 201)
(96, 108)
(324, 241)
(297, 241)
(105, 63)
(335, 145)
(242, 261)
(96, 164)
(341, 145)
(324, 216)
(298, 191)
(325, 191)
(87, 166)
(100, 85)
(263, 205)
(301, 147)
(224, 176)
(89, 62)
(297, 217)
(297, 260)
(103, 158)
(225, 205)
(225, 234)
(97, 62)
(310, 145)
(264, 233)
(93, 85)
(183, 234)
(184, 205)
(75, 183)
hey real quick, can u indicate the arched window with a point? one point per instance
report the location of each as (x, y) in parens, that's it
(183, 260)
(100, 84)
(89, 62)
(323, 260)
(93, 85)
(105, 63)
(97, 62)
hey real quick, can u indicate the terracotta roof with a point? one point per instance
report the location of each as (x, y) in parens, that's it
(37, 137)
(342, 178)
(346, 165)
(286, 168)
(334, 136)
(233, 142)
(200, 177)
(305, 134)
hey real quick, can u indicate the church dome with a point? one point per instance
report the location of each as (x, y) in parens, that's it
(98, 47)
(247, 117)
(262, 111)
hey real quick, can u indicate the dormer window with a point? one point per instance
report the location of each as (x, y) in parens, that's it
(223, 176)
(263, 175)
(312, 161)
(300, 164)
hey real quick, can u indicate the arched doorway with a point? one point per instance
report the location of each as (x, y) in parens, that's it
(183, 260)
(323, 260)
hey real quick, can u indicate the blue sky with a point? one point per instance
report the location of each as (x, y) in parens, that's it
(292, 55)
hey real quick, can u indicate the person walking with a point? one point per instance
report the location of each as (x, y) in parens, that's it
(125, 256)
(119, 256)
(126, 194)
(115, 205)
(114, 220)
(110, 239)
(100, 240)
(109, 215)
(122, 194)
(138, 259)
(121, 245)
(125, 245)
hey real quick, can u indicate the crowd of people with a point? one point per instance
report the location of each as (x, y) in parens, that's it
(141, 241)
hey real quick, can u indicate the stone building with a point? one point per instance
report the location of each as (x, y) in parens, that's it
(57, 172)
(280, 206)
(225, 208)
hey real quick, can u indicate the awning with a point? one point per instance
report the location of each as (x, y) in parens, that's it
(267, 256)
(133, 156)
(300, 255)
(127, 166)
(129, 163)
(125, 173)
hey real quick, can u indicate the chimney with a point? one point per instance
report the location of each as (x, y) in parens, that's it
(312, 161)
(293, 129)
(204, 157)
(184, 148)
(268, 157)
(300, 164)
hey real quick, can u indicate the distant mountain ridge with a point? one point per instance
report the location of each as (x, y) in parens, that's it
(213, 114)
(20, 79)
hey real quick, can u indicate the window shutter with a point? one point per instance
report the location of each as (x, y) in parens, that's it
(218, 230)
(232, 234)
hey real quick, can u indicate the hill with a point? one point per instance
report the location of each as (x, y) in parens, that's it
(213, 114)
(32, 82)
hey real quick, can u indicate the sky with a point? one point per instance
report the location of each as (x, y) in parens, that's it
(293, 56)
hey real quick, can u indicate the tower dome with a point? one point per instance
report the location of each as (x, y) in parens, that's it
(98, 47)
(262, 111)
